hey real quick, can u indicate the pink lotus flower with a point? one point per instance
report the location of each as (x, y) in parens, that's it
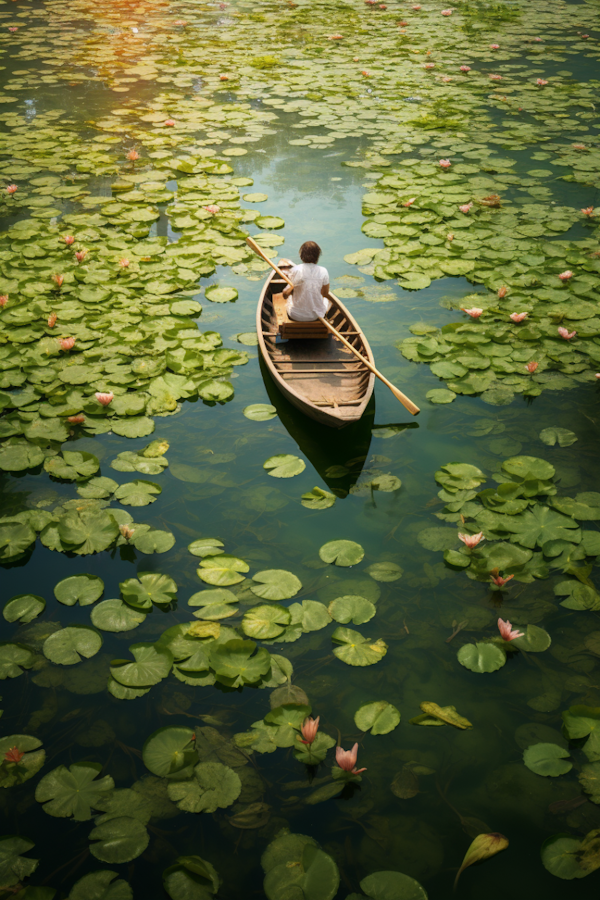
(402, 24)
(466, 207)
(133, 155)
(500, 581)
(418, 6)
(169, 122)
(180, 22)
(12, 188)
(52, 320)
(13, 28)
(67, 343)
(223, 77)
(565, 276)
(578, 146)
(494, 46)
(502, 292)
(541, 82)
(355, 59)
(518, 317)
(538, 40)
(465, 68)
(58, 279)
(506, 630)
(366, 73)
(68, 239)
(588, 211)
(496, 77)
(382, 6)
(532, 366)
(445, 163)
(446, 78)
(212, 209)
(126, 532)
(474, 312)
(597, 374)
(3, 300)
(14, 755)
(81, 255)
(409, 203)
(584, 37)
(309, 730)
(105, 399)
(471, 540)
(446, 12)
(566, 334)
(124, 263)
(429, 65)
(450, 237)
(76, 420)
(346, 759)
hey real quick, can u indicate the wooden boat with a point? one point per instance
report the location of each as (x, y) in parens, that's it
(338, 455)
(309, 365)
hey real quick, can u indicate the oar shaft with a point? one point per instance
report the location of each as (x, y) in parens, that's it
(251, 243)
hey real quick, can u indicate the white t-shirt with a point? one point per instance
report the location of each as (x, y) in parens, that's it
(307, 302)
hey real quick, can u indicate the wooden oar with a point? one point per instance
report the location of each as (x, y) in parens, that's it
(404, 400)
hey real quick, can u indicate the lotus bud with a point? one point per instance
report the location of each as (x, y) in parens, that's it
(76, 420)
(126, 532)
(124, 263)
(133, 155)
(68, 239)
(169, 123)
(518, 317)
(541, 82)
(446, 12)
(496, 77)
(52, 320)
(67, 343)
(474, 312)
(12, 189)
(465, 208)
(465, 68)
(532, 366)
(507, 632)
(58, 279)
(105, 399)
(566, 334)
(502, 292)
(81, 255)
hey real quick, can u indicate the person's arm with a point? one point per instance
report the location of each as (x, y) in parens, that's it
(325, 292)
(287, 291)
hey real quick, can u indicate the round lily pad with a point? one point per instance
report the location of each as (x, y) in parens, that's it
(82, 589)
(14, 658)
(23, 608)
(547, 759)
(560, 856)
(351, 608)
(561, 436)
(191, 878)
(206, 547)
(264, 622)
(213, 786)
(214, 604)
(116, 616)
(275, 584)
(260, 412)
(151, 665)
(74, 791)
(284, 465)
(440, 395)
(255, 198)
(30, 763)
(148, 588)
(100, 885)
(69, 645)
(342, 553)
(269, 222)
(385, 571)
(223, 570)
(218, 294)
(138, 493)
(169, 750)
(356, 650)
(481, 657)
(379, 717)
(388, 885)
(318, 499)
(119, 840)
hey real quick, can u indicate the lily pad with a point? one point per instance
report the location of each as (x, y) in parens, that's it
(119, 840)
(342, 553)
(191, 878)
(215, 604)
(206, 547)
(74, 791)
(13, 866)
(294, 864)
(169, 750)
(561, 436)
(351, 608)
(547, 759)
(72, 465)
(218, 294)
(263, 622)
(30, 763)
(235, 663)
(82, 589)
(23, 608)
(379, 717)
(284, 465)
(260, 412)
(275, 584)
(392, 886)
(213, 786)
(440, 395)
(148, 588)
(101, 885)
(138, 493)
(356, 650)
(223, 570)
(14, 658)
(481, 657)
(385, 571)
(318, 499)
(151, 665)
(115, 616)
(72, 644)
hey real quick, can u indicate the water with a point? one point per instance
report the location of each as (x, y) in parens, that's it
(215, 485)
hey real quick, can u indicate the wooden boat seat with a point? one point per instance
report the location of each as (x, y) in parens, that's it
(287, 328)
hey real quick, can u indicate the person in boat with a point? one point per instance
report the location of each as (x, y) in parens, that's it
(309, 298)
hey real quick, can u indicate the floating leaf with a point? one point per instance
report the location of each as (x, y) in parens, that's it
(353, 609)
(206, 547)
(318, 499)
(169, 750)
(213, 786)
(223, 570)
(263, 622)
(547, 759)
(69, 645)
(13, 866)
(481, 657)
(483, 847)
(295, 864)
(284, 465)
(342, 553)
(391, 885)
(23, 608)
(440, 395)
(535, 640)
(190, 878)
(149, 588)
(14, 658)
(101, 886)
(259, 412)
(138, 493)
(220, 294)
(236, 664)
(14, 773)
(151, 665)
(379, 717)
(72, 465)
(73, 791)
(115, 616)
(82, 589)
(119, 840)
(385, 571)
(356, 650)
(560, 856)
(275, 584)
(446, 714)
(215, 604)
(561, 436)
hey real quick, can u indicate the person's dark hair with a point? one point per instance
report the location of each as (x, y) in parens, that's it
(310, 252)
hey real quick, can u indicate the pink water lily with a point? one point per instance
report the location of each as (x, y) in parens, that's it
(532, 366)
(52, 320)
(124, 263)
(429, 65)
(494, 46)
(471, 540)
(502, 292)
(466, 207)
(500, 581)
(223, 77)
(417, 7)
(67, 343)
(126, 532)
(565, 276)
(474, 312)
(507, 632)
(496, 77)
(410, 202)
(309, 730)
(3, 300)
(211, 208)
(14, 755)
(81, 255)
(578, 146)
(445, 163)
(518, 317)
(465, 68)
(450, 237)
(68, 239)
(541, 82)
(597, 374)
(133, 155)
(58, 279)
(588, 211)
(169, 122)
(446, 78)
(366, 73)
(76, 420)
(105, 399)
(346, 759)
(566, 334)
(12, 188)
(336, 37)
(446, 12)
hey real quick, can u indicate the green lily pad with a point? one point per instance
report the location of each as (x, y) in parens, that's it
(481, 657)
(440, 395)
(169, 750)
(260, 412)
(23, 608)
(560, 856)
(223, 570)
(255, 198)
(17, 454)
(213, 786)
(379, 717)
(284, 465)
(218, 294)
(133, 426)
(356, 650)
(73, 791)
(151, 665)
(351, 608)
(14, 658)
(215, 604)
(547, 759)
(82, 589)
(119, 840)
(235, 663)
(138, 493)
(391, 885)
(263, 622)
(149, 588)
(69, 645)
(13, 866)
(72, 465)
(561, 436)
(206, 547)
(115, 616)
(318, 499)
(385, 571)
(101, 885)
(275, 584)
(32, 760)
(153, 541)
(99, 488)
(294, 865)
(342, 553)
(535, 640)
(191, 878)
